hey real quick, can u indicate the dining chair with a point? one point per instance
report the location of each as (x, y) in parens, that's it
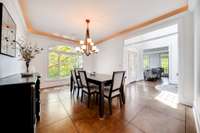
(77, 84)
(77, 69)
(114, 90)
(87, 88)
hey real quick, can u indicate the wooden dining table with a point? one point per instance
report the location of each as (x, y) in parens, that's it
(101, 80)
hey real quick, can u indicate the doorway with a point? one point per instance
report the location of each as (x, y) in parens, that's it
(132, 66)
(153, 50)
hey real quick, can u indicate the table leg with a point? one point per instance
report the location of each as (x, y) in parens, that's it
(122, 91)
(101, 100)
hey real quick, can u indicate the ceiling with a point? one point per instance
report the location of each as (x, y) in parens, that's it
(67, 17)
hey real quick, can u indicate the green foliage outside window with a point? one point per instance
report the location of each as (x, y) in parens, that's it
(62, 60)
(165, 62)
(62, 49)
(146, 61)
(53, 69)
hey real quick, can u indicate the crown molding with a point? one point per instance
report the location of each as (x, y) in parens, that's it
(144, 24)
(22, 4)
(52, 36)
(31, 29)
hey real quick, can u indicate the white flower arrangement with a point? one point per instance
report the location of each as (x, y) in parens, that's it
(28, 51)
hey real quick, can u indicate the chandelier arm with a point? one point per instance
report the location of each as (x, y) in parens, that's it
(88, 46)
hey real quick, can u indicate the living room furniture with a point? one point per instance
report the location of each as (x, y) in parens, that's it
(20, 103)
(153, 73)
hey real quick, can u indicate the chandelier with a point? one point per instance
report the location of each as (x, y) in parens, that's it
(87, 46)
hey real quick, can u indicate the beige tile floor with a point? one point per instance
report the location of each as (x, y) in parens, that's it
(147, 110)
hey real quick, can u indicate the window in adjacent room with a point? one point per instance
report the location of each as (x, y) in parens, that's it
(61, 60)
(146, 61)
(165, 62)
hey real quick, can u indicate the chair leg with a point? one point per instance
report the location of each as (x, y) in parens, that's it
(71, 87)
(97, 96)
(89, 95)
(74, 88)
(110, 105)
(120, 99)
(78, 92)
(82, 96)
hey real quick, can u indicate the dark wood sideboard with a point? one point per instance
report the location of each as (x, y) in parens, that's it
(19, 103)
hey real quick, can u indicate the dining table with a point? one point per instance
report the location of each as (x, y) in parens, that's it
(101, 80)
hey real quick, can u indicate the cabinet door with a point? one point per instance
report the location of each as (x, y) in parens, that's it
(16, 111)
(33, 105)
(37, 96)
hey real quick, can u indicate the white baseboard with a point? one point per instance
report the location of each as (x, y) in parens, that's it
(196, 118)
(184, 100)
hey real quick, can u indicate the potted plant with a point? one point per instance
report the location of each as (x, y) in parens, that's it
(28, 52)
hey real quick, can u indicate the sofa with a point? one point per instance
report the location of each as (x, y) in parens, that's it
(153, 73)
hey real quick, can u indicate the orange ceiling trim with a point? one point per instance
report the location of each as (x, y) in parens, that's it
(23, 6)
(54, 36)
(145, 23)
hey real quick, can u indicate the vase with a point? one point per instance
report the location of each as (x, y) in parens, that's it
(27, 66)
(27, 74)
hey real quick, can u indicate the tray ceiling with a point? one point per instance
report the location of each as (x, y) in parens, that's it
(67, 17)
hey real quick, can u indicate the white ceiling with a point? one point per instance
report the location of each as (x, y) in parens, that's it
(67, 17)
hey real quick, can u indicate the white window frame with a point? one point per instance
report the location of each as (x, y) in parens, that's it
(59, 54)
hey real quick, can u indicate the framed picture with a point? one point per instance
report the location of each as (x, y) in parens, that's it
(7, 33)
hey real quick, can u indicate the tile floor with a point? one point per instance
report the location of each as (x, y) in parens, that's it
(147, 110)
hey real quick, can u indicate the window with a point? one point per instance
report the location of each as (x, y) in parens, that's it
(146, 61)
(165, 62)
(62, 59)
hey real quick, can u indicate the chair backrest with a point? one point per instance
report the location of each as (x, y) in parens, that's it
(117, 80)
(74, 76)
(83, 78)
(77, 69)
